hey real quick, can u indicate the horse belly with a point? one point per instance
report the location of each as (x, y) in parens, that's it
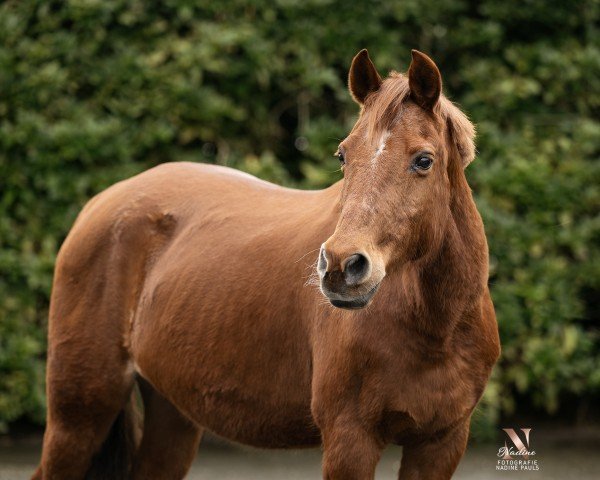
(234, 369)
(252, 420)
(255, 412)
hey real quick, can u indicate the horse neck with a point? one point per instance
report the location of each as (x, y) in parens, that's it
(435, 291)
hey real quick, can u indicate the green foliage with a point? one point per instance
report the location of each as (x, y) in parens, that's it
(94, 91)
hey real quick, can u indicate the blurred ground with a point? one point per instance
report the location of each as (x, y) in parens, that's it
(561, 457)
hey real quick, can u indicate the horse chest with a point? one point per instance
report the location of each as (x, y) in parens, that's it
(428, 395)
(398, 390)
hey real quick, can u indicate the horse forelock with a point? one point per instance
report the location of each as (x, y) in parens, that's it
(383, 108)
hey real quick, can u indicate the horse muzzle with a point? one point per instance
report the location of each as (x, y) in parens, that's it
(347, 276)
(348, 302)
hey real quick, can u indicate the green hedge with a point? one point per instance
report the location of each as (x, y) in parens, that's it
(93, 91)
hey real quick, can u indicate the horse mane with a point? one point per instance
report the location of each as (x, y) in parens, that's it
(382, 109)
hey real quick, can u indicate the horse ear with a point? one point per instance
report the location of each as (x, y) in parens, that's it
(363, 78)
(424, 80)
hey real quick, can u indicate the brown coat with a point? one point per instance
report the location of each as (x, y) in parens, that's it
(199, 281)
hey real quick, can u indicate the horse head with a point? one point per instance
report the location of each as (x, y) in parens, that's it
(399, 162)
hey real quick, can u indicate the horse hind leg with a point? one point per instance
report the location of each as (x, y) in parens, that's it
(89, 376)
(99, 272)
(169, 442)
(88, 408)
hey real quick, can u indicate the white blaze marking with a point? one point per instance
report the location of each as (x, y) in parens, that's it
(380, 149)
(371, 193)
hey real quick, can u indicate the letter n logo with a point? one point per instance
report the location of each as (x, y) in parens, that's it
(517, 442)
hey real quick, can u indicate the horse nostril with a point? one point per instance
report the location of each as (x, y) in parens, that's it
(322, 264)
(356, 269)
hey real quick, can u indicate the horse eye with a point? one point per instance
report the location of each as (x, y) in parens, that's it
(341, 158)
(423, 162)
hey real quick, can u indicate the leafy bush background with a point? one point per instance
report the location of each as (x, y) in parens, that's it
(93, 91)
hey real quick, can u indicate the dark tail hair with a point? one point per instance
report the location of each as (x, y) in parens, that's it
(115, 458)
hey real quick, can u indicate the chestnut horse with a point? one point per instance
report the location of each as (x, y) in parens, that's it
(191, 281)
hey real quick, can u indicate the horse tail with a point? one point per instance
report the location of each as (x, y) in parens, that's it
(114, 460)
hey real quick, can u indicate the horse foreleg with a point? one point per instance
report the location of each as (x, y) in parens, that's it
(350, 452)
(435, 458)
